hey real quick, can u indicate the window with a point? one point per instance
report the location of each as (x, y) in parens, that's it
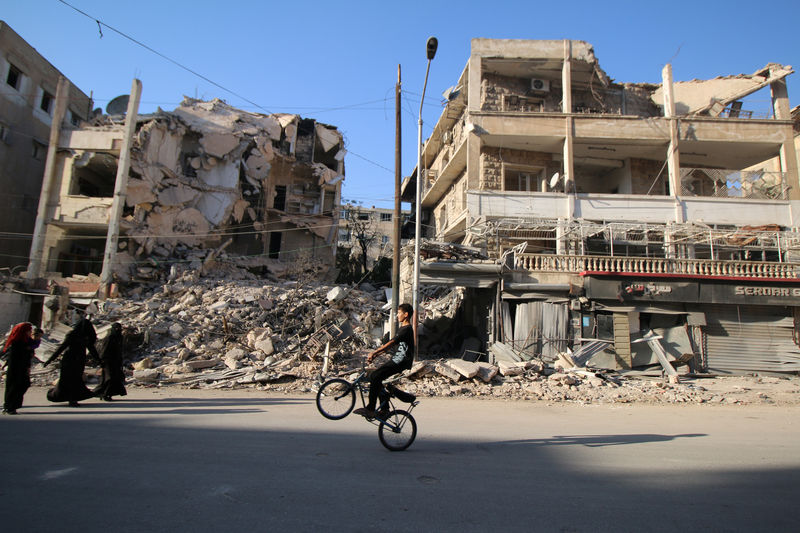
(46, 104)
(522, 179)
(363, 216)
(344, 235)
(14, 78)
(280, 202)
(384, 239)
(343, 214)
(386, 217)
(39, 151)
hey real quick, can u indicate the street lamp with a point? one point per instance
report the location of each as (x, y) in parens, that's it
(431, 47)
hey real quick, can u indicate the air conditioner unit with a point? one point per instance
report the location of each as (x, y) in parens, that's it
(540, 85)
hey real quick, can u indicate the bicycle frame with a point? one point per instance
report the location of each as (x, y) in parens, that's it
(362, 386)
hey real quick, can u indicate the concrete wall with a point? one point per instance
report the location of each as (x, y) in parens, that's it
(631, 208)
(24, 139)
(14, 308)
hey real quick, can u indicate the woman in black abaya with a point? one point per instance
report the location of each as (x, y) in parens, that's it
(19, 351)
(113, 383)
(70, 387)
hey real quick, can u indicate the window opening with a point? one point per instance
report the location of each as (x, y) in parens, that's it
(14, 77)
(46, 104)
(275, 244)
(280, 198)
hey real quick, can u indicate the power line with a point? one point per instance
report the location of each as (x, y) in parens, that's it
(212, 82)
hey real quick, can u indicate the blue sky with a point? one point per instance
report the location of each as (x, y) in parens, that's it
(337, 62)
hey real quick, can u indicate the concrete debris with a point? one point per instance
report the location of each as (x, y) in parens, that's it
(263, 339)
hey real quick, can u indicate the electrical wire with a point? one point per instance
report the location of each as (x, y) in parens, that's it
(176, 63)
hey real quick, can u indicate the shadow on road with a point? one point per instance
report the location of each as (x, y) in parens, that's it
(161, 473)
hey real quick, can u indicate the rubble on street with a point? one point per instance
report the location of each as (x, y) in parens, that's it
(224, 327)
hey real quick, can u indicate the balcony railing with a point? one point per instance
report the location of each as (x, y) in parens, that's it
(651, 265)
(724, 183)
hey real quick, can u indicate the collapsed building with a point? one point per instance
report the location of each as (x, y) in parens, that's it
(206, 176)
(630, 223)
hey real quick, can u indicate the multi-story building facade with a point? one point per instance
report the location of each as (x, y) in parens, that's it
(373, 225)
(28, 86)
(618, 208)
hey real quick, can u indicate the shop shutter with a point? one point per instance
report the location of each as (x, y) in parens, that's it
(748, 339)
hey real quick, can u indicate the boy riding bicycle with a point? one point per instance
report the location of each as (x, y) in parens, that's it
(402, 359)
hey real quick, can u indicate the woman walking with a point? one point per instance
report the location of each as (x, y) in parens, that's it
(113, 383)
(19, 352)
(70, 387)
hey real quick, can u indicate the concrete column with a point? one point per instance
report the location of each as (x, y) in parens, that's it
(561, 248)
(673, 155)
(121, 184)
(566, 78)
(788, 153)
(39, 229)
(474, 84)
(569, 131)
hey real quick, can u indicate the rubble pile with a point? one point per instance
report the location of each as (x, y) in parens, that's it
(229, 328)
(224, 327)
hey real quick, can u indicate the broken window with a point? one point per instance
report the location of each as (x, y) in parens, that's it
(94, 175)
(280, 198)
(275, 244)
(46, 104)
(304, 147)
(83, 256)
(14, 77)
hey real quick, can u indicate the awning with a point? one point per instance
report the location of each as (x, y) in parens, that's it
(658, 309)
(474, 275)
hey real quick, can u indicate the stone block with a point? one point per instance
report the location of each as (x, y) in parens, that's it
(148, 374)
(465, 368)
(199, 364)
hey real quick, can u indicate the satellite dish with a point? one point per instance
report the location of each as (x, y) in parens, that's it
(119, 105)
(554, 180)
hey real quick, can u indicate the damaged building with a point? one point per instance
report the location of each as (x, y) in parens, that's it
(631, 223)
(204, 177)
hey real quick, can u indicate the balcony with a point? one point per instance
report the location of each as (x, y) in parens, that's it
(575, 264)
(725, 183)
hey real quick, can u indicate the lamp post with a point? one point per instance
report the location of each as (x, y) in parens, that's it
(431, 47)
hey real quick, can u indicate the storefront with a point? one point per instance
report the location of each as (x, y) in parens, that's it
(723, 325)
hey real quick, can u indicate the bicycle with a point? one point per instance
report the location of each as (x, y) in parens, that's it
(336, 399)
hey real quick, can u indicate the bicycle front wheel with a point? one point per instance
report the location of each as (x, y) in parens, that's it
(336, 398)
(398, 431)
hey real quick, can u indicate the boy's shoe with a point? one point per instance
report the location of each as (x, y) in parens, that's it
(383, 414)
(365, 412)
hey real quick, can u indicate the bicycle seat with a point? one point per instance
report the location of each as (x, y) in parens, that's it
(403, 396)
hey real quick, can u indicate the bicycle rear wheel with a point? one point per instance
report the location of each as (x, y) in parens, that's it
(336, 398)
(398, 431)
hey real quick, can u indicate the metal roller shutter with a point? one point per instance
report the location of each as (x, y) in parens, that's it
(747, 339)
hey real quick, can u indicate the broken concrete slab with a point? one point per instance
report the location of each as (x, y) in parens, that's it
(465, 368)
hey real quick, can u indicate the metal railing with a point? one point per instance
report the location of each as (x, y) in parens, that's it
(726, 183)
(651, 265)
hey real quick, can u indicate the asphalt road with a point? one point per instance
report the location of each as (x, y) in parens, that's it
(182, 460)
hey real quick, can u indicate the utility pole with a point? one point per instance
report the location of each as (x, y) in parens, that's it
(397, 221)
